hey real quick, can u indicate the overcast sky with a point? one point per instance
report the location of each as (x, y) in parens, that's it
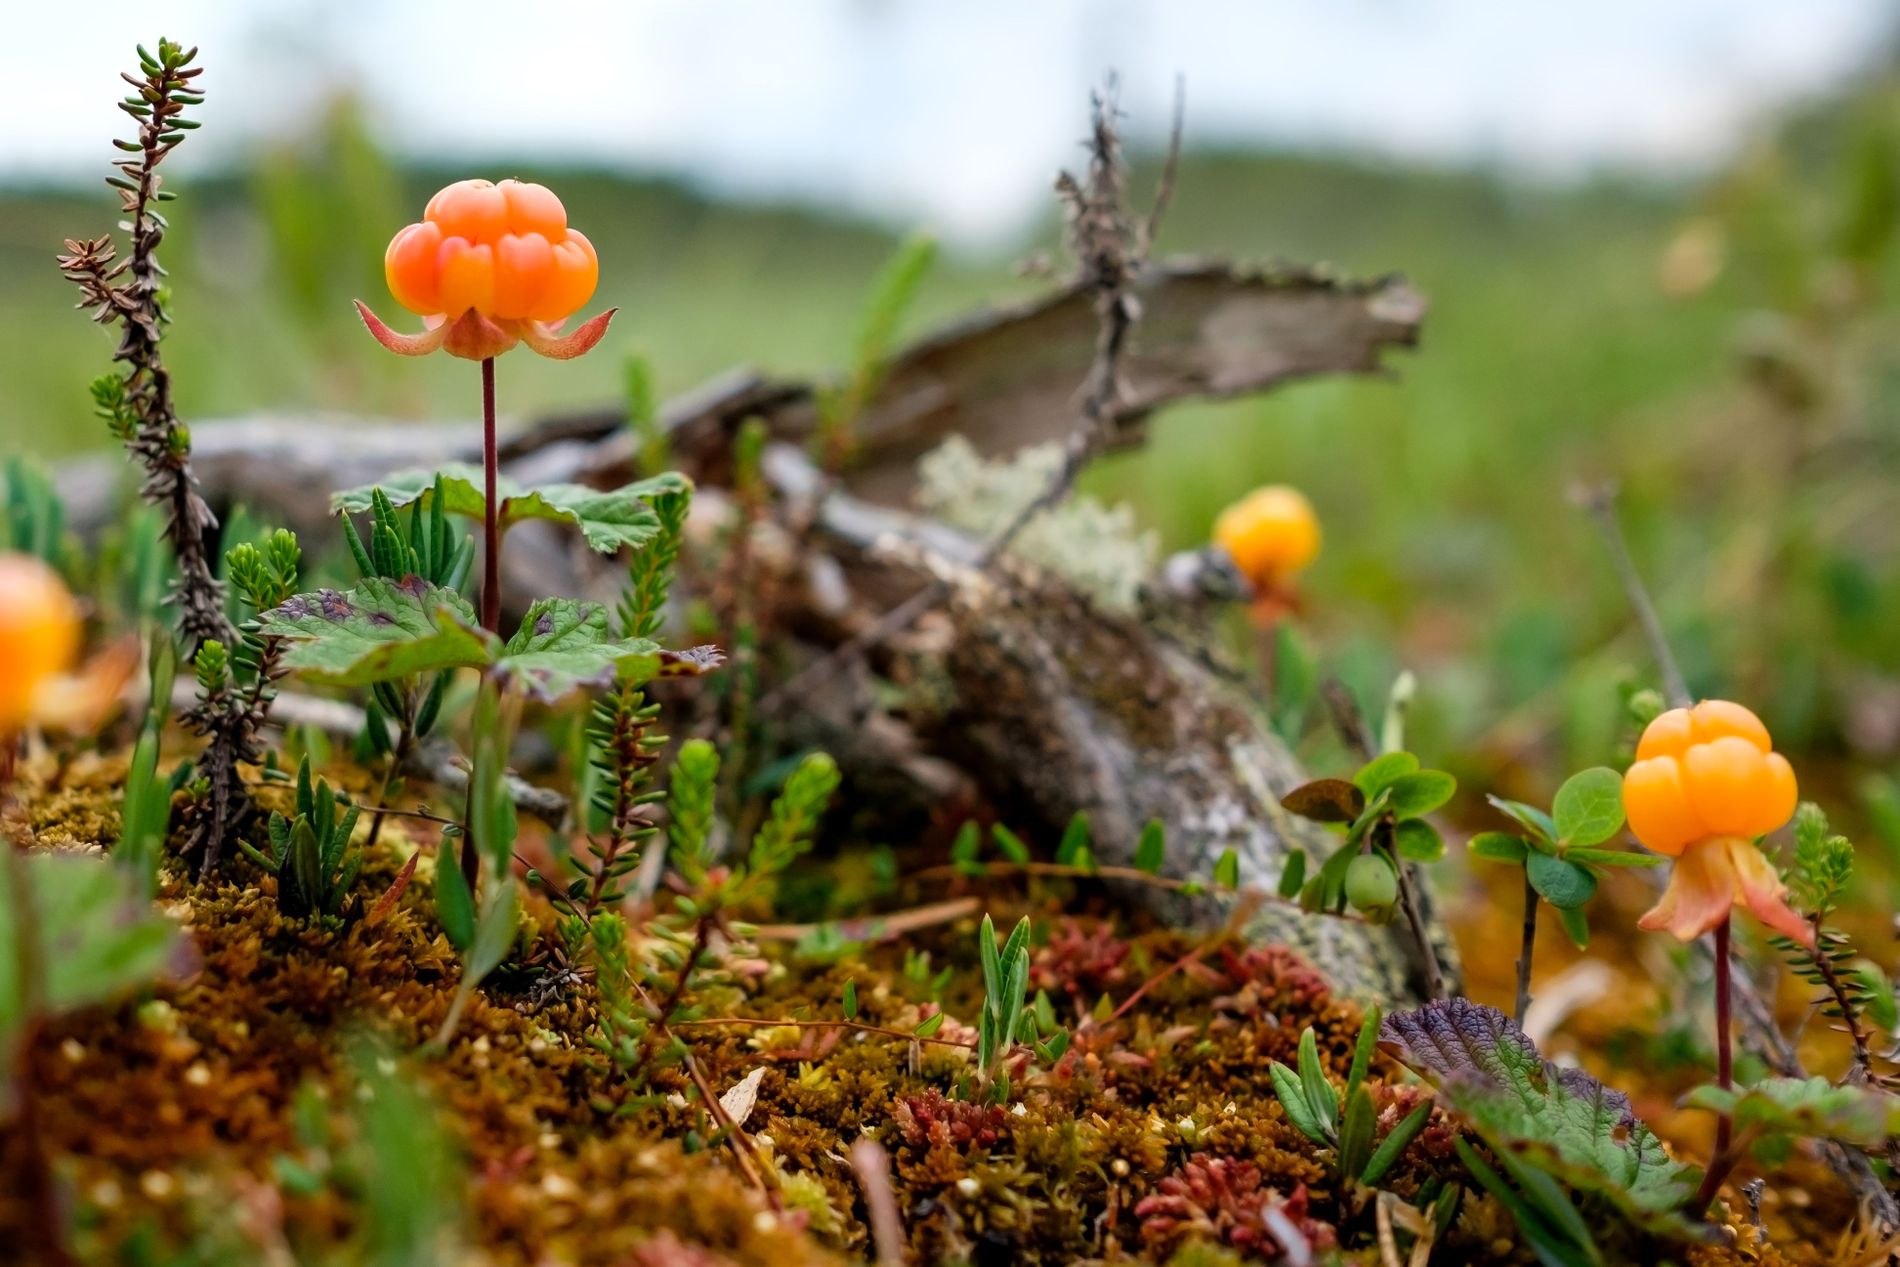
(955, 112)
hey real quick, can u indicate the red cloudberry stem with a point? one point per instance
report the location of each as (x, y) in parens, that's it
(1723, 1162)
(491, 516)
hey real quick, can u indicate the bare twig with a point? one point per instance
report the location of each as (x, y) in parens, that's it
(1170, 169)
(1107, 261)
(1600, 501)
(873, 1166)
(1524, 955)
(856, 1027)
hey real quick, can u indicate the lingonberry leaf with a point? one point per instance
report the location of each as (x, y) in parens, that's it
(565, 644)
(1419, 841)
(1498, 846)
(1377, 774)
(1589, 807)
(379, 631)
(1419, 792)
(608, 519)
(1563, 883)
(1563, 1122)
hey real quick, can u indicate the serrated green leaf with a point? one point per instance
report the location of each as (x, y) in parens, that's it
(98, 937)
(1810, 1108)
(565, 645)
(1419, 841)
(1498, 846)
(1562, 883)
(608, 520)
(1419, 793)
(1152, 850)
(377, 632)
(1560, 1122)
(1589, 807)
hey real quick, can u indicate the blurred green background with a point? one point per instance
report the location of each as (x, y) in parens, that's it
(1722, 347)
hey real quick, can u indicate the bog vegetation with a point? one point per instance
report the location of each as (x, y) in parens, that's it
(378, 896)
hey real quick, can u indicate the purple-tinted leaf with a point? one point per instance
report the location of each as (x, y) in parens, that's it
(1562, 1121)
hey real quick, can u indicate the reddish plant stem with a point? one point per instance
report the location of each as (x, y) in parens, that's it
(1524, 956)
(491, 509)
(1724, 1160)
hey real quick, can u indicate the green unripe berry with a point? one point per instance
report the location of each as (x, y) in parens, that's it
(1372, 886)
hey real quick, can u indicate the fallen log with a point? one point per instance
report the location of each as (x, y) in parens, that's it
(1018, 693)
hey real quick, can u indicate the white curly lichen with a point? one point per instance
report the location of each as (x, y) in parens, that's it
(1097, 548)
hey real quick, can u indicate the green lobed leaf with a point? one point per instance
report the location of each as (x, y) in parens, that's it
(1561, 1122)
(98, 937)
(608, 520)
(565, 645)
(1811, 1108)
(377, 632)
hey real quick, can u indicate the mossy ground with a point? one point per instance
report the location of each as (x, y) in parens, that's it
(218, 1120)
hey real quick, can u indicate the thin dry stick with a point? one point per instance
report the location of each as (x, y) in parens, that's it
(1109, 255)
(1600, 501)
(859, 1027)
(1758, 1025)
(873, 1166)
